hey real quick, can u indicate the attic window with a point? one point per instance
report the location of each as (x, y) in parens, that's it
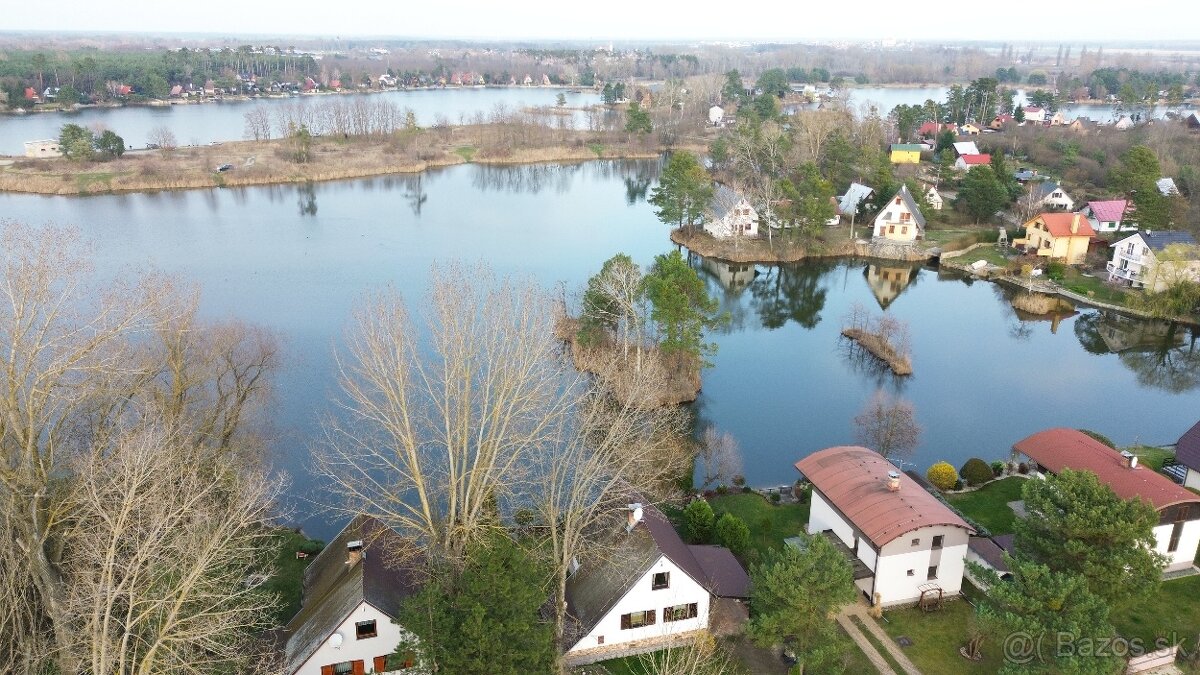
(661, 580)
(916, 542)
(897, 201)
(365, 629)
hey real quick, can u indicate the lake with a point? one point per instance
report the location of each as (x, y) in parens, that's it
(200, 124)
(297, 259)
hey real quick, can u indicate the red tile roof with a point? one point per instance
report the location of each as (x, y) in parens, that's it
(854, 480)
(976, 159)
(1111, 211)
(1059, 224)
(1058, 449)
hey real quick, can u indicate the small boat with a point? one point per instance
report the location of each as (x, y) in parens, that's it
(575, 91)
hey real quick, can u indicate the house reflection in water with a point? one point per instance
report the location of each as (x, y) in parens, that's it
(888, 282)
(732, 276)
(1121, 333)
(1040, 307)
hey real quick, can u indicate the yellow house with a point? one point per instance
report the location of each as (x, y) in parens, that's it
(906, 153)
(900, 220)
(1059, 236)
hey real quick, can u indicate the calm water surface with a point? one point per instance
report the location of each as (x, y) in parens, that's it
(297, 260)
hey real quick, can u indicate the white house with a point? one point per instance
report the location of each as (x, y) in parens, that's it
(965, 162)
(43, 148)
(1136, 261)
(850, 203)
(1109, 216)
(965, 148)
(715, 115)
(1177, 534)
(1050, 195)
(352, 591)
(732, 215)
(1167, 186)
(905, 544)
(934, 198)
(649, 591)
(1187, 458)
(900, 220)
(1126, 122)
(1034, 114)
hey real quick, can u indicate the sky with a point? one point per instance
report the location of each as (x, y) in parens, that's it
(758, 20)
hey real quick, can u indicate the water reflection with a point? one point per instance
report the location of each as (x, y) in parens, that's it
(888, 280)
(791, 293)
(1161, 354)
(726, 282)
(637, 176)
(307, 199)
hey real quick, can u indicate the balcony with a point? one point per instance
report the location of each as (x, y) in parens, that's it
(1129, 274)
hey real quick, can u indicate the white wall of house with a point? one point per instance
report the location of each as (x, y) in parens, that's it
(1192, 479)
(895, 222)
(893, 582)
(741, 221)
(822, 516)
(1189, 540)
(1059, 199)
(388, 635)
(642, 597)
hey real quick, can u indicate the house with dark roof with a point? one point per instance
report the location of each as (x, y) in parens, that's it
(905, 543)
(900, 220)
(1155, 259)
(352, 593)
(1110, 215)
(1177, 534)
(988, 552)
(648, 591)
(1050, 195)
(1187, 456)
(1058, 236)
(731, 215)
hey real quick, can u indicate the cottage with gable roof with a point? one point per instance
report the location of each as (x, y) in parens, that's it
(900, 220)
(903, 543)
(649, 591)
(1109, 215)
(1058, 236)
(732, 215)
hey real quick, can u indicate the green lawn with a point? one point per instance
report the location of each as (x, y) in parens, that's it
(287, 573)
(769, 524)
(985, 253)
(882, 649)
(1152, 457)
(1094, 287)
(988, 505)
(1173, 611)
(936, 637)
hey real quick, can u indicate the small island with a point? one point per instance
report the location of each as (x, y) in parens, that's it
(884, 337)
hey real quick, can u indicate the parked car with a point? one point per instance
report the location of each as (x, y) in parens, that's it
(224, 167)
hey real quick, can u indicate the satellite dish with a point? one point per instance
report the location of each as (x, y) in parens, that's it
(336, 640)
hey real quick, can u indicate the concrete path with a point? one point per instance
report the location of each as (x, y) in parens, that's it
(860, 611)
(864, 644)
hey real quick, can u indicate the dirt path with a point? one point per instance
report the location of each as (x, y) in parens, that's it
(858, 610)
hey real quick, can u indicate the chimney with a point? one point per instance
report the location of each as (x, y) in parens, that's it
(893, 481)
(354, 552)
(1130, 459)
(635, 516)
(1075, 224)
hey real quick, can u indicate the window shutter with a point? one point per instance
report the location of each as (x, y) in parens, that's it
(624, 621)
(651, 617)
(358, 667)
(693, 611)
(380, 664)
(326, 670)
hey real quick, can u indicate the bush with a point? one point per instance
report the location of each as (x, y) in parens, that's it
(747, 490)
(976, 472)
(958, 484)
(1099, 437)
(722, 490)
(312, 546)
(997, 468)
(1022, 468)
(775, 497)
(698, 520)
(739, 481)
(732, 533)
(942, 475)
(1055, 271)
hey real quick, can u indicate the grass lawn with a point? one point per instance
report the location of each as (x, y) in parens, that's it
(1094, 287)
(1173, 611)
(287, 573)
(769, 524)
(986, 253)
(940, 237)
(936, 637)
(1152, 457)
(988, 505)
(881, 648)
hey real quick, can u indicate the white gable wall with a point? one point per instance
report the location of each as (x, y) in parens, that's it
(899, 556)
(388, 635)
(1188, 542)
(742, 220)
(642, 597)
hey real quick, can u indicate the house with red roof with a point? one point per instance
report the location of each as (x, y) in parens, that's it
(1177, 534)
(32, 95)
(965, 162)
(1000, 121)
(1109, 216)
(1058, 236)
(1034, 114)
(931, 129)
(904, 544)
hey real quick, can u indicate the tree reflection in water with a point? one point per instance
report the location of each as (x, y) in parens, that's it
(1162, 354)
(791, 293)
(307, 200)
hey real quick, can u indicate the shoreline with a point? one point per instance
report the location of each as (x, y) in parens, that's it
(262, 163)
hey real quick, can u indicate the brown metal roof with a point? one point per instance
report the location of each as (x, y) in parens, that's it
(725, 576)
(1058, 449)
(854, 480)
(991, 552)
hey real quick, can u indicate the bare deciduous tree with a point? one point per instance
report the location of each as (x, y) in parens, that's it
(719, 457)
(700, 657)
(888, 426)
(164, 138)
(167, 544)
(258, 123)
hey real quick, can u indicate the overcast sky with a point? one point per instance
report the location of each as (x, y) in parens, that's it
(783, 20)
